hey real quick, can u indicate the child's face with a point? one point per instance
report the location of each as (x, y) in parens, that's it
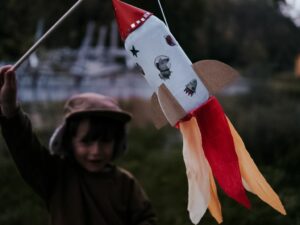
(93, 155)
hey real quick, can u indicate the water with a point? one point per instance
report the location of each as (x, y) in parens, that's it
(57, 88)
(121, 84)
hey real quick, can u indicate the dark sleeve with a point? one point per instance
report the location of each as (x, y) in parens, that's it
(35, 164)
(142, 212)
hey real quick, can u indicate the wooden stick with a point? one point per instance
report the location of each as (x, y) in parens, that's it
(37, 44)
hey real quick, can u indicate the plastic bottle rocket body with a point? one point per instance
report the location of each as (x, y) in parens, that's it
(163, 61)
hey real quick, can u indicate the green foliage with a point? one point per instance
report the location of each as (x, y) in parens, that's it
(249, 33)
(246, 33)
(268, 120)
(18, 205)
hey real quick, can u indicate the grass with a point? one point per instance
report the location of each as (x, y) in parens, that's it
(268, 119)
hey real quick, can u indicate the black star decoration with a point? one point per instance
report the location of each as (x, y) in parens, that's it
(134, 51)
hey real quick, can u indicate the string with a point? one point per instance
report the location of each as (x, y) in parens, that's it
(163, 14)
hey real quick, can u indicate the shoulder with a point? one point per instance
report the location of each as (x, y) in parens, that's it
(130, 183)
(124, 173)
(126, 177)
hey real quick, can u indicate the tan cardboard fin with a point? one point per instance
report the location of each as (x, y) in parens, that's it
(173, 111)
(158, 116)
(214, 74)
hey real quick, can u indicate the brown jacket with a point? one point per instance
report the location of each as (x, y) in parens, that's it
(73, 195)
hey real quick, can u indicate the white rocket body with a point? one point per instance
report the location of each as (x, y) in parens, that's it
(163, 61)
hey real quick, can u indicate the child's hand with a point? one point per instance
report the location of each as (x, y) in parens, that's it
(8, 91)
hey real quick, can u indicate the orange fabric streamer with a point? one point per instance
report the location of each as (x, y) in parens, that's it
(202, 187)
(214, 204)
(252, 176)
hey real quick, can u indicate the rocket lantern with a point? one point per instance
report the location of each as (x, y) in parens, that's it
(212, 149)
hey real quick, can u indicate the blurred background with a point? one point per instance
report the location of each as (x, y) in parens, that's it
(259, 38)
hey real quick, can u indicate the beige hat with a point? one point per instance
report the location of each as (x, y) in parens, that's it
(86, 104)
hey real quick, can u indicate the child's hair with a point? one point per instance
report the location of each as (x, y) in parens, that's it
(101, 128)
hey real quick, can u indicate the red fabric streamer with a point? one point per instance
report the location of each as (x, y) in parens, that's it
(219, 149)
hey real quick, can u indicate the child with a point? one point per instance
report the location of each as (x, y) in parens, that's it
(77, 181)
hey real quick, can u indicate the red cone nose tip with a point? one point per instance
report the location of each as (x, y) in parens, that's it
(128, 17)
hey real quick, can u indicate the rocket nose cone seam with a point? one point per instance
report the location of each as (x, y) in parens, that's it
(139, 22)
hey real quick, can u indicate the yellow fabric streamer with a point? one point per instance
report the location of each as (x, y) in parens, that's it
(252, 176)
(214, 203)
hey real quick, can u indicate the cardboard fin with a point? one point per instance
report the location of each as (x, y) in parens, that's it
(214, 74)
(158, 116)
(173, 111)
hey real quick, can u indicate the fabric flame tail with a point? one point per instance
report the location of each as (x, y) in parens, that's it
(212, 148)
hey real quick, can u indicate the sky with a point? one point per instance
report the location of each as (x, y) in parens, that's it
(292, 9)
